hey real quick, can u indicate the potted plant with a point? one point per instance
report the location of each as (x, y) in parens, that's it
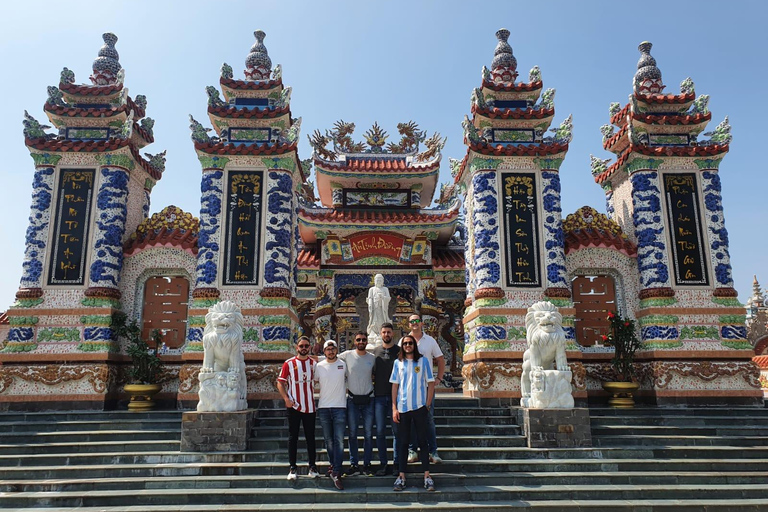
(623, 338)
(146, 368)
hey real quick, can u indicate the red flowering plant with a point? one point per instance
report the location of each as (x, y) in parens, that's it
(625, 342)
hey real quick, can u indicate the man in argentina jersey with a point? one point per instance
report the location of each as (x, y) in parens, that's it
(296, 386)
(413, 389)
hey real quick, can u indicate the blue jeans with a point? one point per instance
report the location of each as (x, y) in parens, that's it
(431, 432)
(354, 412)
(333, 421)
(383, 411)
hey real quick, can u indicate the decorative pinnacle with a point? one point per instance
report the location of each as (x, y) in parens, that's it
(504, 65)
(258, 65)
(107, 64)
(648, 76)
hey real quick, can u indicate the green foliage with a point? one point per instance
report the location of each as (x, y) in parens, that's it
(147, 365)
(23, 320)
(58, 334)
(733, 319)
(625, 342)
(110, 303)
(657, 302)
(27, 303)
(738, 345)
(204, 303)
(728, 301)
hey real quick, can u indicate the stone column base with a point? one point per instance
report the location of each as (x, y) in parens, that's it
(556, 428)
(216, 431)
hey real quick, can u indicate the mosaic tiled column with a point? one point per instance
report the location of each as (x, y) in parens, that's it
(716, 232)
(37, 233)
(554, 239)
(211, 190)
(279, 241)
(487, 263)
(323, 305)
(430, 307)
(652, 259)
(109, 227)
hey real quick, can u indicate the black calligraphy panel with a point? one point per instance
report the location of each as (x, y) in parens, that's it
(689, 256)
(241, 247)
(70, 226)
(521, 233)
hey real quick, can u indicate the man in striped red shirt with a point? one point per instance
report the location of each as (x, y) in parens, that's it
(296, 386)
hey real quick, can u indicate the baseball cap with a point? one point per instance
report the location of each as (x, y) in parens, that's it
(329, 343)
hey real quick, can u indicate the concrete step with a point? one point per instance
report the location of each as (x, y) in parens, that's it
(282, 421)
(669, 440)
(135, 453)
(446, 479)
(443, 431)
(723, 412)
(310, 492)
(210, 466)
(680, 421)
(454, 441)
(91, 425)
(58, 416)
(451, 412)
(672, 505)
(70, 448)
(656, 430)
(97, 436)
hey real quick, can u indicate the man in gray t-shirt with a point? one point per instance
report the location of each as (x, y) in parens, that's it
(360, 366)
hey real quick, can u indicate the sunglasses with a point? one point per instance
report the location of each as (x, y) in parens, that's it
(303, 346)
(407, 343)
(361, 339)
(414, 321)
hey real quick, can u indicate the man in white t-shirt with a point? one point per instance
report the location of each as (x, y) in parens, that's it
(428, 348)
(331, 374)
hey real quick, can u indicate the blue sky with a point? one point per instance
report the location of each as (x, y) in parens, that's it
(390, 62)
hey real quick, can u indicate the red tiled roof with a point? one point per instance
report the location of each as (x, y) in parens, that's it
(511, 113)
(380, 217)
(4, 318)
(233, 112)
(145, 164)
(665, 98)
(250, 86)
(90, 90)
(376, 164)
(308, 258)
(186, 240)
(715, 149)
(761, 361)
(521, 150)
(63, 110)
(616, 136)
(619, 117)
(222, 148)
(650, 118)
(445, 258)
(517, 87)
(143, 133)
(93, 146)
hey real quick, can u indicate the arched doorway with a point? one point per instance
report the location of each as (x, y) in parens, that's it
(593, 297)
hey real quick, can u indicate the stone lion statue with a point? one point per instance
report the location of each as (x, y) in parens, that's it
(551, 389)
(546, 345)
(222, 376)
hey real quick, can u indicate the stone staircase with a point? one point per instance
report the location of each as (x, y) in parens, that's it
(642, 459)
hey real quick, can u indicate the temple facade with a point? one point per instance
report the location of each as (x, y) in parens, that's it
(299, 256)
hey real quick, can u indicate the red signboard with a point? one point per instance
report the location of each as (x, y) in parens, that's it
(372, 244)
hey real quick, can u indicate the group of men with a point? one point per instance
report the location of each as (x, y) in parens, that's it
(394, 384)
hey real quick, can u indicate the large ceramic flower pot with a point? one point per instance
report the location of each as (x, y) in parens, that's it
(141, 396)
(621, 394)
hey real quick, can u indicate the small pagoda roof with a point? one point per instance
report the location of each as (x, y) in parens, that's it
(171, 227)
(347, 221)
(233, 112)
(586, 227)
(225, 148)
(513, 113)
(90, 89)
(248, 85)
(513, 86)
(519, 150)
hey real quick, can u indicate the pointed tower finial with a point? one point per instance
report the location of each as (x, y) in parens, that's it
(648, 76)
(107, 64)
(258, 65)
(504, 65)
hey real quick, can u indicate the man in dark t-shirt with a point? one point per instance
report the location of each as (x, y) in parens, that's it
(385, 354)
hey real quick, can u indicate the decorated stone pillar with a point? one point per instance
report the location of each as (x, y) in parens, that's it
(209, 238)
(323, 306)
(430, 307)
(109, 228)
(37, 233)
(664, 190)
(515, 253)
(279, 245)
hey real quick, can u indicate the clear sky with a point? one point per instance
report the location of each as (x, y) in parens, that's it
(390, 62)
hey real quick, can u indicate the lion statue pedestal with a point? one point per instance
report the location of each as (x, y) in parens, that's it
(223, 404)
(548, 417)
